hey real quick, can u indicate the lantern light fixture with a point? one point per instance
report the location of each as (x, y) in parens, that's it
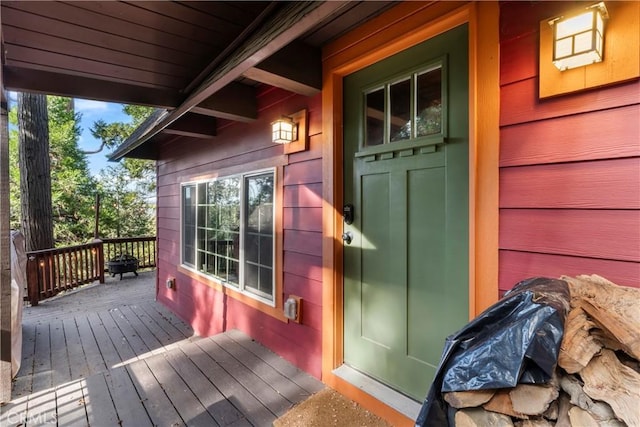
(578, 39)
(284, 130)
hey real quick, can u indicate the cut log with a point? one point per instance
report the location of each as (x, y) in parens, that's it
(606, 379)
(501, 402)
(468, 399)
(578, 345)
(532, 399)
(606, 340)
(478, 417)
(552, 412)
(564, 405)
(616, 309)
(573, 387)
(582, 418)
(538, 422)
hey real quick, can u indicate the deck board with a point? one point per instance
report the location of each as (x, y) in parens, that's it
(183, 399)
(100, 408)
(108, 351)
(110, 355)
(158, 405)
(211, 398)
(94, 359)
(269, 397)
(78, 363)
(70, 406)
(42, 361)
(129, 406)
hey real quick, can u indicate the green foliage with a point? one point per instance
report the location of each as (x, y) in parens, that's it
(125, 189)
(124, 209)
(14, 171)
(72, 187)
(115, 133)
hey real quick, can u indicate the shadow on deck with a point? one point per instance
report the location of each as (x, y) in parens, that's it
(109, 355)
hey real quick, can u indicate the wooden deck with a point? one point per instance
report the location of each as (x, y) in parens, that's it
(109, 355)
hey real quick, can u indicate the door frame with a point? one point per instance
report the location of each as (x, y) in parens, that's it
(401, 27)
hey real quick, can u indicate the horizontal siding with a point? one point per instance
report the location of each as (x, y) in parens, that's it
(519, 18)
(305, 242)
(298, 347)
(242, 147)
(604, 184)
(516, 61)
(308, 266)
(569, 166)
(303, 172)
(305, 219)
(519, 101)
(604, 234)
(516, 266)
(595, 135)
(308, 289)
(303, 196)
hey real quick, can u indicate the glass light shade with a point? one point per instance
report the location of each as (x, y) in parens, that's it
(283, 131)
(578, 40)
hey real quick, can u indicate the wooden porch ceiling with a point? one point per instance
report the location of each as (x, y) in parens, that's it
(190, 58)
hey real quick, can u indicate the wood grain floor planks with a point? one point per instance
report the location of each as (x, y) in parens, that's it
(109, 355)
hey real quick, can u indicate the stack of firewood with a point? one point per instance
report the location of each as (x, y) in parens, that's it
(597, 381)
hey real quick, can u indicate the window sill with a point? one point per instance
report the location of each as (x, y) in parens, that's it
(276, 312)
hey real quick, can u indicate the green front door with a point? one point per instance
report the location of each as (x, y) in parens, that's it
(406, 275)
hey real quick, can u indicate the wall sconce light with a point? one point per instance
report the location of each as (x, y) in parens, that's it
(284, 130)
(291, 131)
(578, 39)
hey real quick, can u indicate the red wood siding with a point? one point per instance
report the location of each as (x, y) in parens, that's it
(237, 147)
(569, 166)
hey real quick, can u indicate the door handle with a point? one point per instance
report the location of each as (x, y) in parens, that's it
(347, 237)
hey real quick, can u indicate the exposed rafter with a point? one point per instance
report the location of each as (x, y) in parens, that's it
(291, 21)
(297, 68)
(193, 125)
(234, 102)
(30, 80)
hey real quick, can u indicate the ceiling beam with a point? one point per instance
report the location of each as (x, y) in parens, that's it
(233, 102)
(193, 125)
(29, 80)
(297, 68)
(292, 20)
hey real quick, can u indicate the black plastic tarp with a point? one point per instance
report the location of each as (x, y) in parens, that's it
(516, 340)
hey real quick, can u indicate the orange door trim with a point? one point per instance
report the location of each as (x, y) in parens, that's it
(401, 27)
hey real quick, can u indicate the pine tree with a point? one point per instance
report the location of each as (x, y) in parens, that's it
(35, 171)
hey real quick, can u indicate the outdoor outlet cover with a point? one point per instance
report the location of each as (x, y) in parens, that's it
(292, 308)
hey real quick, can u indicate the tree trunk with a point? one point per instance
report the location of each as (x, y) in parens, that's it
(35, 171)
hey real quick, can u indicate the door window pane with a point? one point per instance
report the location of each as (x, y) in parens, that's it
(374, 132)
(400, 105)
(429, 103)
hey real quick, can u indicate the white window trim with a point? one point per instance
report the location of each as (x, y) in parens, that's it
(241, 286)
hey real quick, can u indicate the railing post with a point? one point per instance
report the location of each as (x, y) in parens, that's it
(33, 288)
(100, 259)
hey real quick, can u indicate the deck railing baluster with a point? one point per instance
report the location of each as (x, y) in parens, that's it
(51, 271)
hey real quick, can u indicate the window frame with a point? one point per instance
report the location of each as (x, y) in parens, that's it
(241, 290)
(410, 74)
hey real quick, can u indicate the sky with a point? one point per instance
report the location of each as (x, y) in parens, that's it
(91, 111)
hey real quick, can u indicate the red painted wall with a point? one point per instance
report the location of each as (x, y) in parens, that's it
(569, 166)
(238, 144)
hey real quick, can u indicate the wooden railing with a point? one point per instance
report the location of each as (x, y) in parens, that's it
(143, 248)
(52, 271)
